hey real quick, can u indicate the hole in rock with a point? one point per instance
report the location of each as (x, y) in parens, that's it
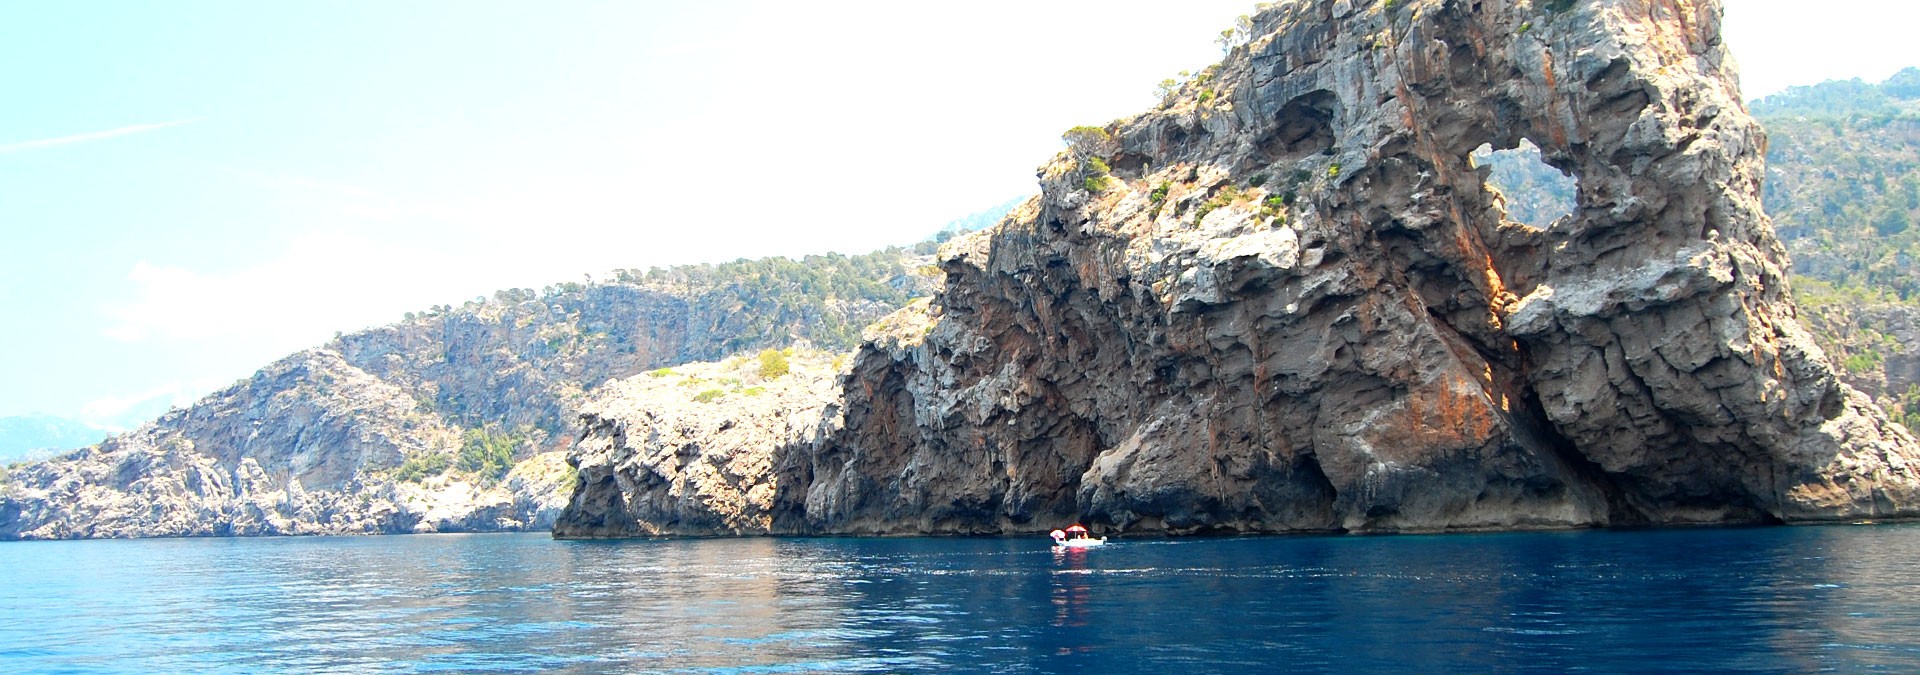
(1303, 127)
(1536, 194)
(1129, 164)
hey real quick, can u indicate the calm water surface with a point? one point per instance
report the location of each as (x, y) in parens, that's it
(1778, 599)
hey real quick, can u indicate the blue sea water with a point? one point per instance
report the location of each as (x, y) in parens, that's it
(1734, 600)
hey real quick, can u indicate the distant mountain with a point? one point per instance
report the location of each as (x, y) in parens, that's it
(39, 436)
(980, 220)
(1842, 99)
(142, 411)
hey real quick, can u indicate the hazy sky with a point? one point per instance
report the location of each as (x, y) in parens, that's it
(189, 190)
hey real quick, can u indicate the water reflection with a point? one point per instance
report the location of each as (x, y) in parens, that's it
(1071, 592)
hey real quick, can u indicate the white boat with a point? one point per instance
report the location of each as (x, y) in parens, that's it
(1088, 542)
(1075, 537)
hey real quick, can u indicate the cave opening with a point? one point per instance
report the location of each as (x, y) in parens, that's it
(1534, 192)
(1302, 128)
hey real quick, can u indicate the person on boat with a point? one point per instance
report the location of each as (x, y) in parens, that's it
(1077, 532)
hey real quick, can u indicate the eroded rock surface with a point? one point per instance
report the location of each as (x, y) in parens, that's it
(1287, 301)
(689, 450)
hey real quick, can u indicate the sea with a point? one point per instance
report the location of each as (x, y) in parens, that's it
(1781, 599)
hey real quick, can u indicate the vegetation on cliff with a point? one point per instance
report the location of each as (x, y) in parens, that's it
(1843, 189)
(1843, 181)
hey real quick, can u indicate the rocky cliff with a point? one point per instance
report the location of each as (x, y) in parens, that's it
(1288, 301)
(1874, 344)
(452, 420)
(1843, 189)
(687, 451)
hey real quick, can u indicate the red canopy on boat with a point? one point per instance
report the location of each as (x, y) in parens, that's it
(1076, 528)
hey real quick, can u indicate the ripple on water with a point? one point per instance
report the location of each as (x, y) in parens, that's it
(1767, 599)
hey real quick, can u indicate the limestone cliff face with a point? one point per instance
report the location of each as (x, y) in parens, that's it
(687, 451)
(309, 445)
(370, 433)
(1287, 301)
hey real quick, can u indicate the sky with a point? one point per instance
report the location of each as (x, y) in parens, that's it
(190, 190)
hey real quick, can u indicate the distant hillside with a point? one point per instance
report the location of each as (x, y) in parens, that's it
(40, 436)
(452, 419)
(980, 220)
(1843, 181)
(1843, 187)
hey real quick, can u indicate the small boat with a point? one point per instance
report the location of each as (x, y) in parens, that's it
(1075, 537)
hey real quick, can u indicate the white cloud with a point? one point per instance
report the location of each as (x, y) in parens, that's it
(1784, 43)
(90, 136)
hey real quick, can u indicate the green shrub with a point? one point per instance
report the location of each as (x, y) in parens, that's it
(487, 454)
(1166, 90)
(1272, 206)
(708, 396)
(1227, 195)
(1891, 223)
(1085, 132)
(773, 363)
(419, 467)
(1084, 138)
(1095, 167)
(1862, 362)
(1333, 170)
(1200, 214)
(1159, 193)
(1238, 34)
